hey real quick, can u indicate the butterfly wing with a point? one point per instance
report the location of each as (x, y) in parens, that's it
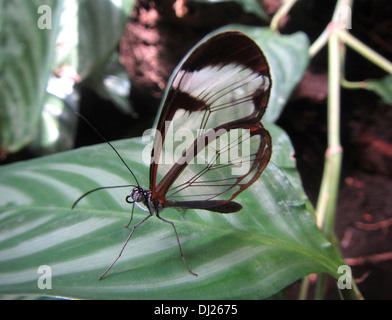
(210, 144)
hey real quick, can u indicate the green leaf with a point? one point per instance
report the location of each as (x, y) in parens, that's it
(288, 58)
(251, 254)
(250, 6)
(382, 87)
(38, 37)
(27, 39)
(283, 157)
(112, 83)
(57, 128)
(253, 6)
(90, 32)
(101, 24)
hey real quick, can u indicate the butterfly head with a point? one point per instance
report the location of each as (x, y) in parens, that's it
(137, 194)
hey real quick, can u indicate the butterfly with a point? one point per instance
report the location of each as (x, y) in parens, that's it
(209, 142)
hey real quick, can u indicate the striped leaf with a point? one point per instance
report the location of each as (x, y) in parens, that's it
(251, 254)
(28, 31)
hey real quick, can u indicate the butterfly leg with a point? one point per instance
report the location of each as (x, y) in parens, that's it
(126, 242)
(179, 245)
(130, 220)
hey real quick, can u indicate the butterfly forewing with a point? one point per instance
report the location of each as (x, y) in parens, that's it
(211, 144)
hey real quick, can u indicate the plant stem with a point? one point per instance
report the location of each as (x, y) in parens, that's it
(351, 294)
(303, 290)
(340, 18)
(320, 286)
(319, 43)
(327, 199)
(329, 189)
(282, 11)
(352, 84)
(365, 51)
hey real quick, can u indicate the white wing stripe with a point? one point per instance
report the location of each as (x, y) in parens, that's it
(218, 81)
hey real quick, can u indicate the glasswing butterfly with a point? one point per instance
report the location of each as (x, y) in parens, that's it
(215, 99)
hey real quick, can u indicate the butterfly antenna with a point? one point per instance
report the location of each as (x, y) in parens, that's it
(100, 188)
(114, 149)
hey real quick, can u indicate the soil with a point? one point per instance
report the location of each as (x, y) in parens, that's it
(157, 37)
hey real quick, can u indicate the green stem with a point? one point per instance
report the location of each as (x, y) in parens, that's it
(320, 42)
(365, 51)
(282, 11)
(329, 189)
(327, 199)
(320, 286)
(304, 288)
(351, 294)
(338, 21)
(352, 84)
